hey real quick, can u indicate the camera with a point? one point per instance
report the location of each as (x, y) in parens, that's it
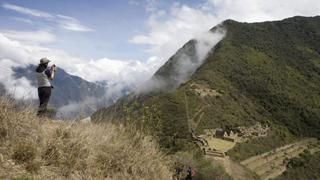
(54, 67)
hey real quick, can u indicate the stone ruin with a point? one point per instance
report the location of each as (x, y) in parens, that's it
(252, 132)
(204, 90)
(236, 135)
(222, 134)
(204, 146)
(239, 134)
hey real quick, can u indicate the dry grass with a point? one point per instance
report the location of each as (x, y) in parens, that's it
(33, 148)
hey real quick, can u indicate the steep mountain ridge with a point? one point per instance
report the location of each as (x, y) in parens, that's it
(180, 67)
(265, 72)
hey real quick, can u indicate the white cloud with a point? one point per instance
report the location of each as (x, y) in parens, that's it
(64, 22)
(25, 20)
(260, 10)
(13, 50)
(169, 32)
(20, 88)
(127, 73)
(78, 109)
(166, 35)
(71, 24)
(27, 11)
(30, 37)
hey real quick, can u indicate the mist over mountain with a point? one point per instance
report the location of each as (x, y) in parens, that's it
(183, 64)
(265, 72)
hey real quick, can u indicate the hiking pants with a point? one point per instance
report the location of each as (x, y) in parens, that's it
(44, 94)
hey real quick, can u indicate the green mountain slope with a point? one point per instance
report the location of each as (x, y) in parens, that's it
(260, 72)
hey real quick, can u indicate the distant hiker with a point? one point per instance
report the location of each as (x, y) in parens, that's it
(189, 174)
(178, 173)
(193, 173)
(44, 75)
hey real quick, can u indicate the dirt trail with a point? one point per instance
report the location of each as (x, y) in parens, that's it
(234, 169)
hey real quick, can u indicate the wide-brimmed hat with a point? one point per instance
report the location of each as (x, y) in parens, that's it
(44, 60)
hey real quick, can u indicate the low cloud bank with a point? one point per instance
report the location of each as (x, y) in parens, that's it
(121, 76)
(92, 104)
(14, 54)
(184, 63)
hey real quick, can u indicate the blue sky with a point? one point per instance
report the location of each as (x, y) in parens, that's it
(112, 24)
(108, 27)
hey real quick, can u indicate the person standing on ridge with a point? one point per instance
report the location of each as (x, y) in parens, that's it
(44, 75)
(189, 174)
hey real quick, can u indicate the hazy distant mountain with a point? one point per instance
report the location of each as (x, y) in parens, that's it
(70, 92)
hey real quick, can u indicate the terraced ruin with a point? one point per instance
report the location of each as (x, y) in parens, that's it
(213, 146)
(267, 165)
(272, 164)
(216, 142)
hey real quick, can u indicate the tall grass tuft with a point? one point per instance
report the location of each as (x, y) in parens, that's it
(39, 148)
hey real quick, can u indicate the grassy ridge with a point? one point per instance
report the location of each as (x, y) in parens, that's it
(33, 148)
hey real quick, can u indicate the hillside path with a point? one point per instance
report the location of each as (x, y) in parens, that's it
(234, 169)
